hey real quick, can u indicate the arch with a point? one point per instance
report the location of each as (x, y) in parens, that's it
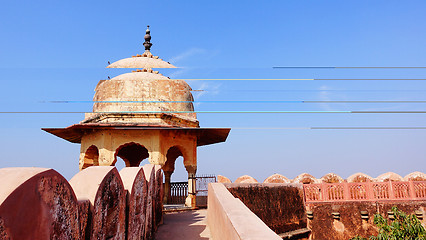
(277, 178)
(91, 157)
(132, 153)
(415, 176)
(305, 178)
(359, 177)
(246, 179)
(223, 179)
(331, 178)
(172, 154)
(389, 176)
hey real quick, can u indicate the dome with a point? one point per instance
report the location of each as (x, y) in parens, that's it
(146, 60)
(143, 97)
(144, 92)
(141, 75)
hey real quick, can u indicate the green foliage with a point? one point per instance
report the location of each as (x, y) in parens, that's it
(358, 238)
(403, 227)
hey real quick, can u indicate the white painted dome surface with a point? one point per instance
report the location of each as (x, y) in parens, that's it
(141, 62)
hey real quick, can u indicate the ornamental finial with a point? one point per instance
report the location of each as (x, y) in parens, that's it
(147, 44)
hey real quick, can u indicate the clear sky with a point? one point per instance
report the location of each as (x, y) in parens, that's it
(58, 50)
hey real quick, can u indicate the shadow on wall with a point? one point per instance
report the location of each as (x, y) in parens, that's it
(38, 203)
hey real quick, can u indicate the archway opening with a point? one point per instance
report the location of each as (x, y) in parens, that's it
(132, 154)
(176, 177)
(91, 157)
(179, 174)
(175, 155)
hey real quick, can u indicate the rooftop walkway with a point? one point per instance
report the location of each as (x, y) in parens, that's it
(188, 225)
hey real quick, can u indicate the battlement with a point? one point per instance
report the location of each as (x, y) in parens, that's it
(97, 203)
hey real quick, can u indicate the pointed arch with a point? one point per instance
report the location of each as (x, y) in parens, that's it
(91, 157)
(132, 153)
(359, 177)
(277, 178)
(305, 178)
(331, 178)
(172, 154)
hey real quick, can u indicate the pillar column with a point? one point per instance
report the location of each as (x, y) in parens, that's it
(190, 200)
(167, 192)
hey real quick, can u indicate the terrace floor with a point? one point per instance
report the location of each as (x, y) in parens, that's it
(184, 225)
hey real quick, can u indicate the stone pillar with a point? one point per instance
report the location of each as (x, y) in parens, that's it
(190, 200)
(167, 192)
(106, 157)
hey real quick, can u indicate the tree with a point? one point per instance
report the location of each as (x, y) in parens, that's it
(403, 227)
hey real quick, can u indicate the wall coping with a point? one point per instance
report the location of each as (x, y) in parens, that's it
(229, 218)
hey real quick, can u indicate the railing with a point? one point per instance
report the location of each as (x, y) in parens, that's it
(178, 192)
(366, 191)
(202, 186)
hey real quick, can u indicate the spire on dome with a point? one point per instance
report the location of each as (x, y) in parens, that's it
(145, 60)
(147, 44)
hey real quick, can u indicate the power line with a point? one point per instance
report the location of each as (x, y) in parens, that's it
(302, 79)
(284, 112)
(334, 67)
(242, 101)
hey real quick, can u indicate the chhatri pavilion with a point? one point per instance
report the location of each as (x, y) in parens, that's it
(142, 115)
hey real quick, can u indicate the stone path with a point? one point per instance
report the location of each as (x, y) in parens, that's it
(187, 225)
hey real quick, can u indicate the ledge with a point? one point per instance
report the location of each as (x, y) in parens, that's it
(229, 218)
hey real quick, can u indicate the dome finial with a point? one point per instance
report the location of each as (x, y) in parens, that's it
(147, 44)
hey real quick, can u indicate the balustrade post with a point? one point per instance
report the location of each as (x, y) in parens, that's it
(411, 190)
(370, 190)
(167, 190)
(325, 192)
(391, 192)
(346, 192)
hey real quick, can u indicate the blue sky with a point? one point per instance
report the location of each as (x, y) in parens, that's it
(58, 50)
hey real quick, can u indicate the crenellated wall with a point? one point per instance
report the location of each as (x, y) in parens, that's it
(334, 208)
(97, 203)
(307, 178)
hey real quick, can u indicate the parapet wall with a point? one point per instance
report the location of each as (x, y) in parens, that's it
(39, 203)
(344, 220)
(307, 178)
(334, 209)
(229, 218)
(279, 206)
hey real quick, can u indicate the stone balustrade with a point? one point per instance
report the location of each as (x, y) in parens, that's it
(365, 191)
(307, 178)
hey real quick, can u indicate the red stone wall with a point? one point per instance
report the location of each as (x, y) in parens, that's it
(280, 206)
(229, 218)
(350, 224)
